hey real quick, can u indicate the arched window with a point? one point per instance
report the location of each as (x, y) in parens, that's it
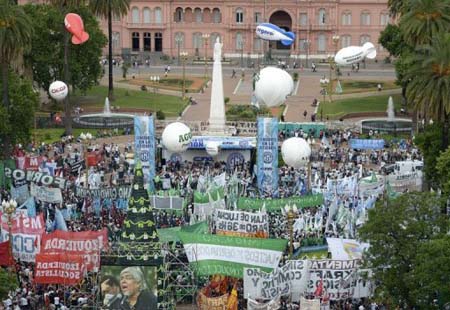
(179, 16)
(158, 15)
(346, 18)
(346, 40)
(213, 38)
(135, 19)
(321, 43)
(239, 16)
(239, 41)
(147, 41)
(364, 38)
(116, 40)
(217, 17)
(135, 41)
(197, 40)
(198, 15)
(147, 19)
(322, 17)
(179, 40)
(365, 18)
(384, 19)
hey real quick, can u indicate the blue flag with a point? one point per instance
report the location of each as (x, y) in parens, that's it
(60, 223)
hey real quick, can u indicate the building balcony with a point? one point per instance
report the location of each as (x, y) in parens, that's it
(155, 26)
(320, 27)
(242, 26)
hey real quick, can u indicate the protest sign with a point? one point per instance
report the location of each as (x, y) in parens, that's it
(46, 194)
(309, 304)
(274, 205)
(212, 303)
(144, 143)
(20, 193)
(45, 179)
(58, 269)
(163, 202)
(241, 224)
(366, 144)
(267, 156)
(119, 192)
(345, 185)
(405, 181)
(86, 243)
(346, 248)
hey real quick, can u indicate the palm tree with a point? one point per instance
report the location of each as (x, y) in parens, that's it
(429, 86)
(15, 36)
(105, 9)
(396, 7)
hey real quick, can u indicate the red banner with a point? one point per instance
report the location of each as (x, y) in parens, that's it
(29, 162)
(93, 158)
(85, 243)
(23, 224)
(58, 269)
(5, 254)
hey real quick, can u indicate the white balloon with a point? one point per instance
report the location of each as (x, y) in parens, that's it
(58, 90)
(273, 86)
(176, 137)
(212, 148)
(296, 152)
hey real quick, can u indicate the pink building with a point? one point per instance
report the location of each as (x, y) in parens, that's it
(171, 26)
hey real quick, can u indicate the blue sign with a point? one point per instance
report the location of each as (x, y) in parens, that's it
(367, 144)
(226, 143)
(144, 144)
(267, 156)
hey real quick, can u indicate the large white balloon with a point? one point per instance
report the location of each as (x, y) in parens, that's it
(176, 137)
(295, 152)
(58, 90)
(273, 86)
(212, 148)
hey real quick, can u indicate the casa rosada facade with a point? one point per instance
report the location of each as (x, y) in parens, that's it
(170, 27)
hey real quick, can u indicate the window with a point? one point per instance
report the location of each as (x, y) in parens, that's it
(239, 16)
(258, 17)
(364, 38)
(347, 18)
(257, 44)
(135, 41)
(303, 19)
(178, 15)
(321, 43)
(146, 17)
(384, 19)
(135, 15)
(197, 40)
(115, 40)
(158, 15)
(158, 42)
(198, 15)
(147, 41)
(179, 40)
(365, 18)
(213, 38)
(217, 18)
(322, 17)
(346, 40)
(239, 41)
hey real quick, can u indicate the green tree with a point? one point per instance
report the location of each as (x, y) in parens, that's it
(106, 9)
(8, 282)
(443, 171)
(396, 229)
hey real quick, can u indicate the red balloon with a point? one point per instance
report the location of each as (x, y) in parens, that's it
(74, 24)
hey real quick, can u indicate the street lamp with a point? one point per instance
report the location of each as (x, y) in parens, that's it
(205, 38)
(184, 58)
(178, 41)
(9, 207)
(306, 47)
(241, 47)
(291, 214)
(333, 65)
(85, 139)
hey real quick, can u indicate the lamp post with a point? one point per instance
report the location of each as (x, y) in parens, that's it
(178, 41)
(335, 40)
(184, 58)
(291, 214)
(306, 47)
(85, 139)
(205, 38)
(241, 47)
(9, 207)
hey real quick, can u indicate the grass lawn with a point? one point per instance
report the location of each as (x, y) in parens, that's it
(128, 99)
(50, 135)
(339, 108)
(174, 82)
(358, 86)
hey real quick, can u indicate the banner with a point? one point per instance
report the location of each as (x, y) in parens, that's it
(267, 156)
(45, 179)
(309, 304)
(405, 181)
(26, 239)
(6, 165)
(212, 303)
(282, 281)
(85, 243)
(119, 192)
(345, 185)
(29, 162)
(213, 254)
(5, 255)
(225, 143)
(58, 269)
(274, 205)
(46, 194)
(144, 143)
(373, 185)
(20, 194)
(346, 248)
(274, 304)
(241, 224)
(366, 144)
(76, 166)
(167, 203)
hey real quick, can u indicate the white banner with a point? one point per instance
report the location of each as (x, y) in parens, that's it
(346, 248)
(346, 185)
(407, 181)
(25, 246)
(240, 223)
(51, 195)
(309, 304)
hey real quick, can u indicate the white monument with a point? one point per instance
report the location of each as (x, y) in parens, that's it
(217, 108)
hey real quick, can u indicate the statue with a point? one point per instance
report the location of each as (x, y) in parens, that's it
(218, 50)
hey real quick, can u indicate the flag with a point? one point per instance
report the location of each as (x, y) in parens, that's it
(5, 254)
(60, 223)
(338, 87)
(30, 206)
(319, 289)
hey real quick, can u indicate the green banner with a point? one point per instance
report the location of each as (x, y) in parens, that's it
(171, 234)
(217, 254)
(216, 194)
(8, 164)
(274, 205)
(291, 128)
